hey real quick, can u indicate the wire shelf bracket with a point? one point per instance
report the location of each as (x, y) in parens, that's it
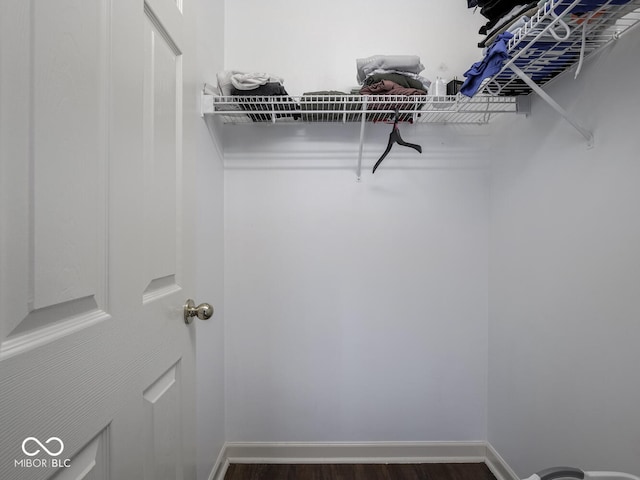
(363, 123)
(560, 35)
(553, 104)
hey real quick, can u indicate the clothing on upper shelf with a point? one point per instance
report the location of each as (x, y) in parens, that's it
(251, 81)
(400, 78)
(233, 82)
(496, 9)
(518, 10)
(228, 79)
(580, 13)
(401, 63)
(424, 83)
(267, 90)
(510, 26)
(224, 82)
(332, 93)
(491, 64)
(224, 89)
(391, 75)
(387, 87)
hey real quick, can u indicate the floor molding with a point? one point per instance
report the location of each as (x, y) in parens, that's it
(365, 452)
(500, 469)
(220, 467)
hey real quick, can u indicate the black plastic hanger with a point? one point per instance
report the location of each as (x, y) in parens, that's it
(394, 137)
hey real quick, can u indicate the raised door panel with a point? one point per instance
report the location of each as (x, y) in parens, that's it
(162, 159)
(162, 427)
(69, 149)
(54, 259)
(91, 462)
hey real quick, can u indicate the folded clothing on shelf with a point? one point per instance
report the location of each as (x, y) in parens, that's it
(404, 79)
(224, 82)
(398, 78)
(400, 63)
(494, 10)
(272, 89)
(249, 84)
(387, 87)
(516, 12)
(224, 89)
(251, 81)
(510, 25)
(229, 79)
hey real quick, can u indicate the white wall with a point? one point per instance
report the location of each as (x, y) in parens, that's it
(358, 311)
(314, 45)
(355, 311)
(209, 23)
(565, 277)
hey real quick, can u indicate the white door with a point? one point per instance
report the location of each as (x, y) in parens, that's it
(96, 361)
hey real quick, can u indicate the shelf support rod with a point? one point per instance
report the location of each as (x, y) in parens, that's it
(363, 122)
(536, 88)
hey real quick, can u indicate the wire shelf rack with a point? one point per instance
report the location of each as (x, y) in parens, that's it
(558, 37)
(283, 110)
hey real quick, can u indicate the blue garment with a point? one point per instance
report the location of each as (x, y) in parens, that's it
(586, 6)
(490, 65)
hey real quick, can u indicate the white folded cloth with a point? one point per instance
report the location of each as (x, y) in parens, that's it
(251, 81)
(402, 63)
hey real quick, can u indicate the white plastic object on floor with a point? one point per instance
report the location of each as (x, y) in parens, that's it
(566, 473)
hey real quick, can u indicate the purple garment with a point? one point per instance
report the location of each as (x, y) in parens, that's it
(488, 66)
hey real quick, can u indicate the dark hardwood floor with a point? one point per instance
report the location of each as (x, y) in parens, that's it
(421, 471)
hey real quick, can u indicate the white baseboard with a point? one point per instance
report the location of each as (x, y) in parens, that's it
(368, 452)
(500, 469)
(220, 467)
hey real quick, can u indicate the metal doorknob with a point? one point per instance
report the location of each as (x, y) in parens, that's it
(202, 311)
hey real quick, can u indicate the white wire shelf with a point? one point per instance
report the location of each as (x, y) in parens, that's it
(556, 38)
(283, 110)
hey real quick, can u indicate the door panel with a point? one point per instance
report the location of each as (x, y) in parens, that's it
(162, 117)
(57, 263)
(69, 98)
(93, 272)
(162, 429)
(91, 462)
